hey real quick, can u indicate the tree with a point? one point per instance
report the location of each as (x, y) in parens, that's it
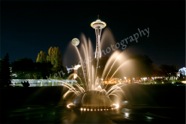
(24, 68)
(55, 58)
(157, 70)
(23, 65)
(169, 70)
(44, 69)
(50, 64)
(143, 65)
(41, 57)
(5, 77)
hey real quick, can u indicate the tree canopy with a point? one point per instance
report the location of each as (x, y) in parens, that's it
(55, 58)
(5, 75)
(41, 57)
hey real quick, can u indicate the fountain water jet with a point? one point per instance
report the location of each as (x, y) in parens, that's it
(90, 93)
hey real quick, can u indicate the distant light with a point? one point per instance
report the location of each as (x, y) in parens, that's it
(144, 78)
(182, 71)
(183, 82)
(149, 118)
(125, 102)
(126, 115)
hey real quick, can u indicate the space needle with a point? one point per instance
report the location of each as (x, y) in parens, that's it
(98, 25)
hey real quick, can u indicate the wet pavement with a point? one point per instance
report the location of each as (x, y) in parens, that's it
(146, 105)
(60, 115)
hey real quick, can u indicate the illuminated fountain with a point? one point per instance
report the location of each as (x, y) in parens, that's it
(91, 93)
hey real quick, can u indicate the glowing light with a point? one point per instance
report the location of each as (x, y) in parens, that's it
(126, 115)
(98, 24)
(116, 106)
(81, 109)
(76, 67)
(75, 41)
(75, 76)
(125, 102)
(70, 105)
(182, 71)
(94, 109)
(183, 82)
(149, 118)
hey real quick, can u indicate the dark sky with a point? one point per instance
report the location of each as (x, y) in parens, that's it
(31, 26)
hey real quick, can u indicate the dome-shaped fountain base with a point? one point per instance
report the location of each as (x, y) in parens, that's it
(92, 100)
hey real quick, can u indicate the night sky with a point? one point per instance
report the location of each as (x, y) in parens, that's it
(31, 26)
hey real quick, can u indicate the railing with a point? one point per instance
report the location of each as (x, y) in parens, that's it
(40, 82)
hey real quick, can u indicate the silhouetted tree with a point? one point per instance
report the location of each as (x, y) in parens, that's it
(23, 65)
(157, 70)
(44, 69)
(143, 65)
(24, 68)
(5, 77)
(169, 70)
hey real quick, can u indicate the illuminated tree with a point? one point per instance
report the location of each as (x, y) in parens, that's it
(55, 58)
(41, 57)
(51, 63)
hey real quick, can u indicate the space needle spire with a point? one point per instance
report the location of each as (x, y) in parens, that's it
(98, 25)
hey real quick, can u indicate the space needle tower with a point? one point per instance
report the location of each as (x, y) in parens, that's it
(98, 25)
